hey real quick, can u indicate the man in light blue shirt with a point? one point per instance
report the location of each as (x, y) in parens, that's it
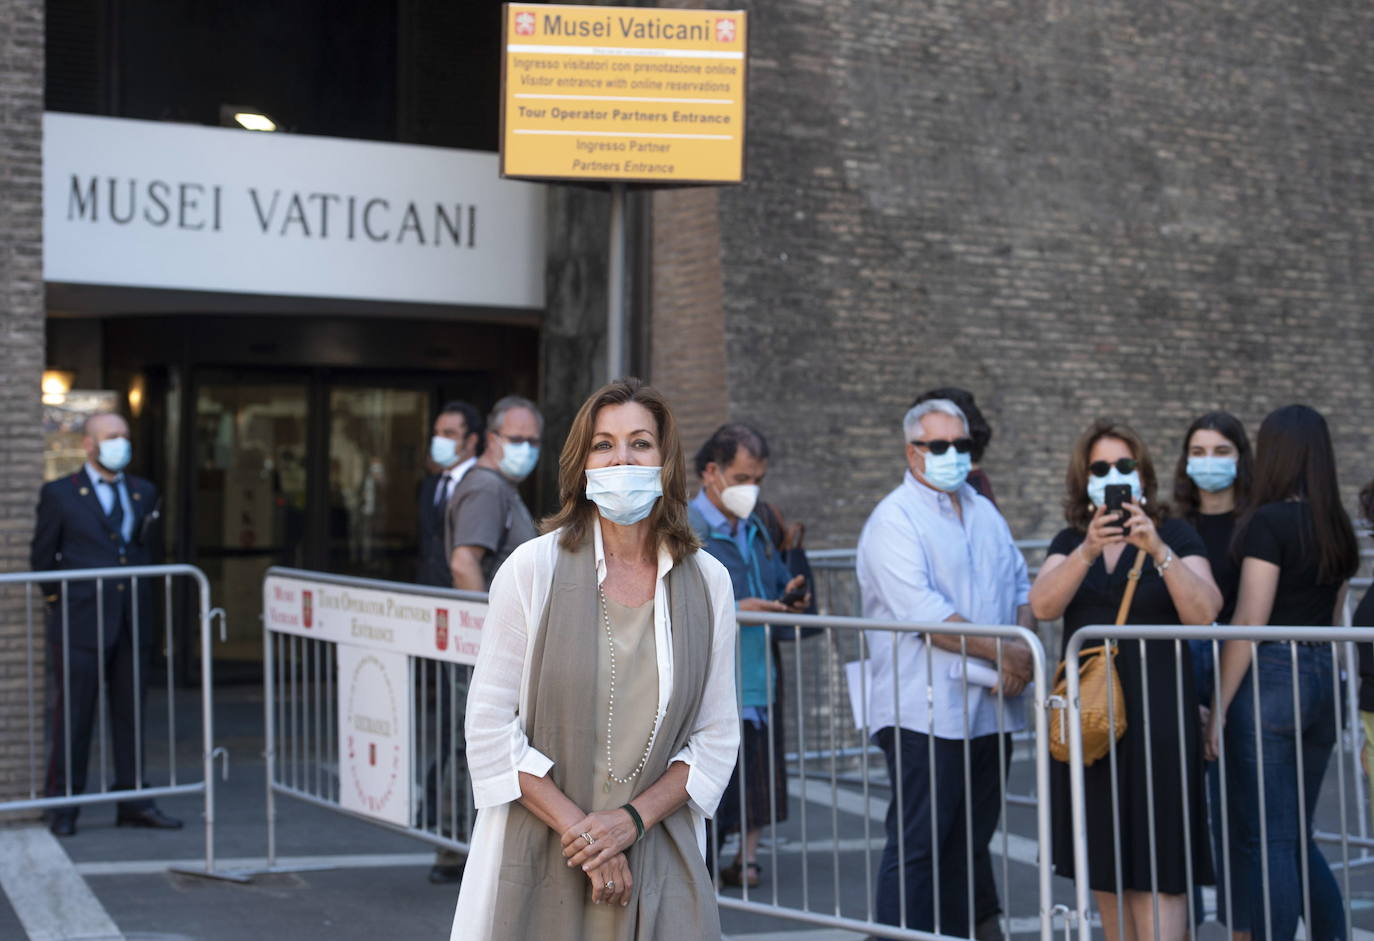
(932, 551)
(732, 464)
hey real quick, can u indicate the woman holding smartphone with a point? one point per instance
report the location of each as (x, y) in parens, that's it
(1297, 550)
(1083, 580)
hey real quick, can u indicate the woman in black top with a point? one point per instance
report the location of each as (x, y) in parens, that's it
(1083, 580)
(1211, 490)
(1297, 549)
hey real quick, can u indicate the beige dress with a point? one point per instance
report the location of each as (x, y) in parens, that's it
(636, 701)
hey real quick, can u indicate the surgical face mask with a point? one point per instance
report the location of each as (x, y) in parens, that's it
(518, 459)
(115, 453)
(626, 493)
(1097, 486)
(1212, 473)
(740, 499)
(443, 451)
(947, 471)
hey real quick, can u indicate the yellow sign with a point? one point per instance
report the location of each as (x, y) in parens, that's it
(631, 94)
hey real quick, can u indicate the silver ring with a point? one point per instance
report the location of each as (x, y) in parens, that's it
(588, 837)
(610, 886)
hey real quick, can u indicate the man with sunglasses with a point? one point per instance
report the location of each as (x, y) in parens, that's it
(934, 551)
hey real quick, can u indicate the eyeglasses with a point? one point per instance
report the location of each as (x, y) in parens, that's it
(1123, 465)
(517, 440)
(938, 446)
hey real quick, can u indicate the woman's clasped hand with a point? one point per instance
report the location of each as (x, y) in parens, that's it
(597, 843)
(597, 837)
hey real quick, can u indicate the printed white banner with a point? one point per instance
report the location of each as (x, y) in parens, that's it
(414, 624)
(374, 733)
(180, 206)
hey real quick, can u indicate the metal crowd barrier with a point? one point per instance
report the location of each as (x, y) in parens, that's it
(836, 591)
(813, 772)
(172, 781)
(322, 744)
(1339, 642)
(365, 685)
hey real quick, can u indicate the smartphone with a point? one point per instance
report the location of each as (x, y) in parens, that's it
(1115, 497)
(797, 594)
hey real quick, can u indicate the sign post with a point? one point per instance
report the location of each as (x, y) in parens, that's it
(622, 95)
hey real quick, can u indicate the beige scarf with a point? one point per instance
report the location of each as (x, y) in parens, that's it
(538, 895)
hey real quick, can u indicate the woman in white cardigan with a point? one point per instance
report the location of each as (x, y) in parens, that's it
(602, 723)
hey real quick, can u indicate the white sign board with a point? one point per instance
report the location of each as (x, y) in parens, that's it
(154, 204)
(374, 733)
(411, 624)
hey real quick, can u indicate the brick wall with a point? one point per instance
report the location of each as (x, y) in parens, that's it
(21, 354)
(1071, 208)
(687, 336)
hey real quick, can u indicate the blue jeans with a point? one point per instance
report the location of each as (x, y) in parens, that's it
(1284, 739)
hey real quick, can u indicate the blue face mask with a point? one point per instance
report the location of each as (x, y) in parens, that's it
(115, 453)
(625, 494)
(443, 451)
(518, 459)
(947, 471)
(1212, 474)
(1097, 486)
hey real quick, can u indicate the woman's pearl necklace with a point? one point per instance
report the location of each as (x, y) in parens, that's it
(610, 712)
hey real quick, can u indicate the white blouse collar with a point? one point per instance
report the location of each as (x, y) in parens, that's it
(665, 558)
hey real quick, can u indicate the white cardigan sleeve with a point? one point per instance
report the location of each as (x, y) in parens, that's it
(497, 749)
(713, 745)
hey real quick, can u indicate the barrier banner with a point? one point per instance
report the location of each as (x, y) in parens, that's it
(414, 624)
(374, 733)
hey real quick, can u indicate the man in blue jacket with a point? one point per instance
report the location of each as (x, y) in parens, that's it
(98, 517)
(732, 465)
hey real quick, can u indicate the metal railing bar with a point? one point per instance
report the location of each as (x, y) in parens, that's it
(101, 689)
(102, 797)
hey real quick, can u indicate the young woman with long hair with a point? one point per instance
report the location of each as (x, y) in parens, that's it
(1297, 550)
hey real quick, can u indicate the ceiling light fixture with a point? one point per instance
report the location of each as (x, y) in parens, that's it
(252, 121)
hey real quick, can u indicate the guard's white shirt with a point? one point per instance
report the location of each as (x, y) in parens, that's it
(918, 561)
(497, 749)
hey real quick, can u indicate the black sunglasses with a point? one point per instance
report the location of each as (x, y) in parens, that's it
(1102, 468)
(939, 446)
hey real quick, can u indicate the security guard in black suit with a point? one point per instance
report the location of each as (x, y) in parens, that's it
(98, 517)
(453, 449)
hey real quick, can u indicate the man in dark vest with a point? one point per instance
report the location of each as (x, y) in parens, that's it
(98, 517)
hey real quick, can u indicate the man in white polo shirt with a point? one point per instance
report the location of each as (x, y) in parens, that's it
(933, 551)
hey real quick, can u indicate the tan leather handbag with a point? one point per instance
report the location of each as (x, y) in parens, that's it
(1102, 706)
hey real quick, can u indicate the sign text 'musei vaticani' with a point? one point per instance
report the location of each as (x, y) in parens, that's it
(161, 205)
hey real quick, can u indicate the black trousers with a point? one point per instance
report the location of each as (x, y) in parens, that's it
(955, 802)
(75, 684)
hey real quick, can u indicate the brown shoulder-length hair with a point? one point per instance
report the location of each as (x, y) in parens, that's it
(576, 514)
(1077, 511)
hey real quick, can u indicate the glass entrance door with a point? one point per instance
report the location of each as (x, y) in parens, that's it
(377, 439)
(314, 471)
(249, 492)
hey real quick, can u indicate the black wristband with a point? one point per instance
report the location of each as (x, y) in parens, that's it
(639, 821)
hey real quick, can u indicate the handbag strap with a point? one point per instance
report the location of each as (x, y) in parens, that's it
(1132, 579)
